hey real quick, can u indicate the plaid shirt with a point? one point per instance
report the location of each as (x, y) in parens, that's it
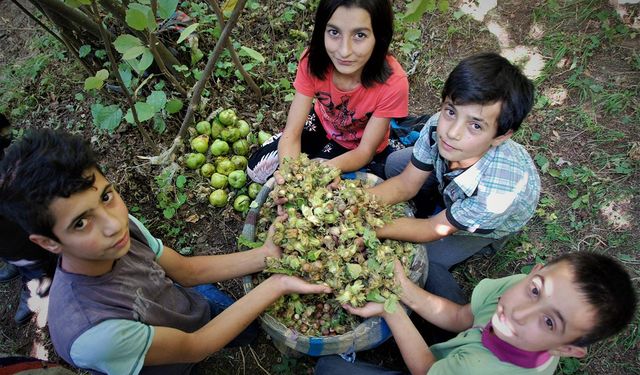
(494, 197)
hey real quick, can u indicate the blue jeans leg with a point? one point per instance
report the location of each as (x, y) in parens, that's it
(333, 365)
(218, 302)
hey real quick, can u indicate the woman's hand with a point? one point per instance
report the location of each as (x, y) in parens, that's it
(293, 284)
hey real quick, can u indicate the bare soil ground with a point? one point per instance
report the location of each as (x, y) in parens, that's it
(570, 131)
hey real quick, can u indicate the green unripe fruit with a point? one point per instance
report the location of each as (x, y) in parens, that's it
(225, 166)
(254, 189)
(216, 128)
(243, 127)
(230, 134)
(195, 160)
(227, 117)
(242, 203)
(218, 198)
(237, 179)
(207, 169)
(218, 180)
(240, 162)
(262, 137)
(200, 143)
(203, 127)
(219, 147)
(241, 147)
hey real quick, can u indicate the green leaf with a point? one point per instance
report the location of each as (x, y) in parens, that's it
(354, 270)
(125, 42)
(159, 125)
(166, 8)
(391, 304)
(184, 34)
(84, 50)
(246, 51)
(244, 241)
(145, 111)
(125, 74)
(102, 74)
(143, 63)
(136, 17)
(417, 8)
(173, 106)
(169, 212)
(134, 52)
(375, 296)
(412, 35)
(93, 83)
(228, 6)
(443, 6)
(180, 181)
(157, 99)
(106, 118)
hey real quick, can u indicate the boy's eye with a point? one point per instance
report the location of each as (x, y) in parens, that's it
(548, 322)
(476, 126)
(107, 197)
(449, 112)
(80, 224)
(535, 291)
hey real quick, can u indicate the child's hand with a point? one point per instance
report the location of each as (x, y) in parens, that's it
(272, 249)
(401, 279)
(292, 284)
(366, 311)
(278, 177)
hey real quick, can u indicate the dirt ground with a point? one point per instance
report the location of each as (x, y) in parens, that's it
(443, 42)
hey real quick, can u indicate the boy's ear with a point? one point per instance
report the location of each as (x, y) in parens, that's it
(569, 351)
(46, 243)
(497, 141)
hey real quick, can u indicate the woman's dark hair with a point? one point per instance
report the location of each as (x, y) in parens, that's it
(42, 165)
(376, 70)
(486, 79)
(607, 288)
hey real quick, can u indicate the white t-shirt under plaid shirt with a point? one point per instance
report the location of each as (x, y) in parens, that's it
(494, 197)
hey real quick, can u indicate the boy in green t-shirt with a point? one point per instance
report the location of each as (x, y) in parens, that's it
(519, 324)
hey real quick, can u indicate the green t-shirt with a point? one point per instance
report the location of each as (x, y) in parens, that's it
(465, 354)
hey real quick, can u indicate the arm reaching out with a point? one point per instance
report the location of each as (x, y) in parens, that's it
(171, 345)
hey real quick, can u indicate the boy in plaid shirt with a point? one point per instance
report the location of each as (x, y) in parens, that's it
(473, 183)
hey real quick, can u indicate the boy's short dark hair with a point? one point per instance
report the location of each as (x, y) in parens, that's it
(487, 78)
(376, 69)
(607, 287)
(42, 165)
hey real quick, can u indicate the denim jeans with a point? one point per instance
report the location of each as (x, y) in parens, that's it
(218, 302)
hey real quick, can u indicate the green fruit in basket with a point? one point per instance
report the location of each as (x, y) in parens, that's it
(218, 198)
(239, 161)
(242, 203)
(227, 117)
(195, 160)
(218, 180)
(203, 127)
(207, 169)
(200, 143)
(243, 127)
(241, 147)
(254, 189)
(230, 134)
(237, 179)
(224, 166)
(219, 147)
(216, 128)
(262, 137)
